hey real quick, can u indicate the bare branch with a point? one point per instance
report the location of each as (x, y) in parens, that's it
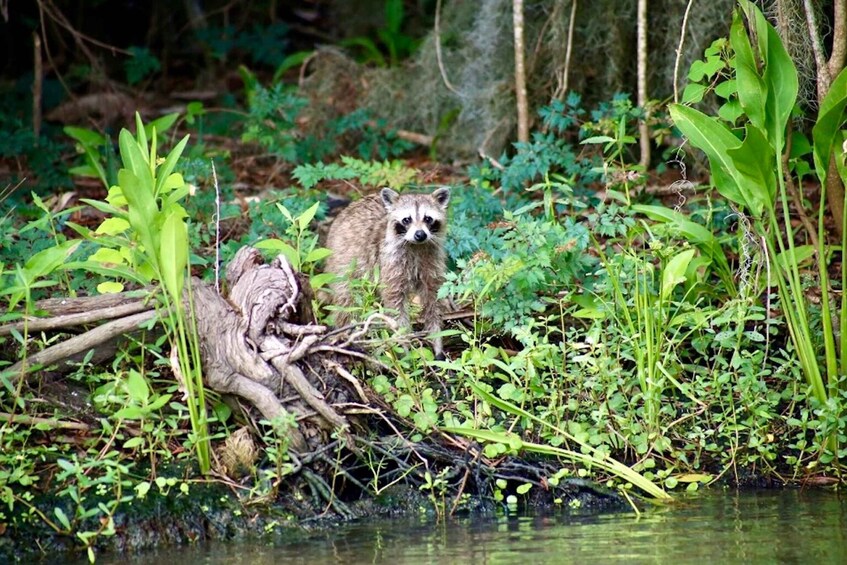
(520, 72)
(683, 30)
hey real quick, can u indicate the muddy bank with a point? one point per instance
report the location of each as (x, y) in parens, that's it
(213, 511)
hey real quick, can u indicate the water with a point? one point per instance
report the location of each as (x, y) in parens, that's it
(721, 527)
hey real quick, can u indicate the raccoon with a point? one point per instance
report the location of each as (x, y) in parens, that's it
(403, 235)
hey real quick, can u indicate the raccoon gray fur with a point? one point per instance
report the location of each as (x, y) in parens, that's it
(402, 234)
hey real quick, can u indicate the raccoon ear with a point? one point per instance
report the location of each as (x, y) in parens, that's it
(442, 196)
(388, 197)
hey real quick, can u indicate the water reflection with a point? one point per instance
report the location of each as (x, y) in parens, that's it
(759, 527)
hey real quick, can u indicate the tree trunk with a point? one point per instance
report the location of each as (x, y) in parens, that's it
(520, 73)
(642, 82)
(827, 70)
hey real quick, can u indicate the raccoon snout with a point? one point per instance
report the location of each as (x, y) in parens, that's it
(420, 236)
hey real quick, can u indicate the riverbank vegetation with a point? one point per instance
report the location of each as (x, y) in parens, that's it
(644, 296)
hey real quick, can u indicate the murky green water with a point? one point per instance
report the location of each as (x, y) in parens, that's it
(724, 527)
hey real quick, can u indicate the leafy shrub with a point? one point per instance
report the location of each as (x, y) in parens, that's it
(527, 261)
(387, 173)
(549, 151)
(264, 45)
(40, 155)
(272, 122)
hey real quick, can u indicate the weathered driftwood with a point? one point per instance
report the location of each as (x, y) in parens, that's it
(81, 343)
(259, 344)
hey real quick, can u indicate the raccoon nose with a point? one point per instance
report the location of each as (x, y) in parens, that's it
(420, 236)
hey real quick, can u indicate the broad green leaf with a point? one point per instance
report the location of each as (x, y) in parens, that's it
(116, 197)
(112, 226)
(85, 171)
(693, 93)
(306, 217)
(142, 488)
(714, 139)
(674, 272)
(780, 78)
(700, 70)
(317, 254)
(110, 287)
(140, 136)
(173, 255)
(137, 387)
(281, 247)
(694, 478)
(290, 61)
(161, 124)
(800, 144)
(830, 118)
(101, 206)
(129, 413)
(86, 136)
(175, 196)
(597, 139)
(727, 88)
(142, 211)
(801, 254)
(134, 160)
(133, 442)
(167, 167)
(62, 517)
(107, 256)
(159, 402)
(394, 16)
(320, 280)
(285, 212)
(731, 111)
(751, 87)
(590, 307)
(174, 180)
(754, 160)
(373, 53)
(48, 260)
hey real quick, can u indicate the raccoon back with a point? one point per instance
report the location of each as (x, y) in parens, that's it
(357, 235)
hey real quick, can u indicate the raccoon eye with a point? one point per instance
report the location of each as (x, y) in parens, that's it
(407, 220)
(427, 220)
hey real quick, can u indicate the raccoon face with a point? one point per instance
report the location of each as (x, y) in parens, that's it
(417, 218)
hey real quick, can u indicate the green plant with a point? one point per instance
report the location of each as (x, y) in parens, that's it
(436, 489)
(373, 173)
(615, 169)
(272, 121)
(750, 173)
(141, 64)
(588, 457)
(144, 239)
(263, 44)
(391, 36)
(99, 153)
(525, 262)
(86, 481)
(277, 443)
(304, 254)
(645, 310)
